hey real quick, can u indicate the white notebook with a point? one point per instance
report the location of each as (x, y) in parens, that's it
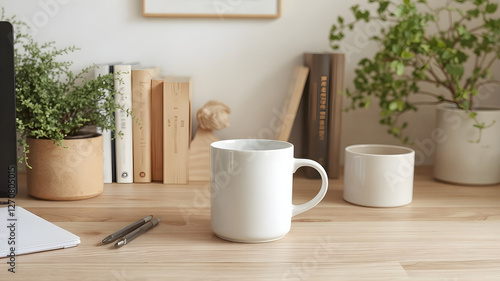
(32, 234)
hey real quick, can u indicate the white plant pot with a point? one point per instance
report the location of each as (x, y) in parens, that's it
(459, 158)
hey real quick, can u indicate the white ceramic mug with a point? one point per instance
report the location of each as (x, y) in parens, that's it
(377, 175)
(251, 189)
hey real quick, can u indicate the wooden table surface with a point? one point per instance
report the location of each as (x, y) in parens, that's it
(448, 233)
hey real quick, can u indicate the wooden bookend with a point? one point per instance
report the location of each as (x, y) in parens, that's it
(212, 116)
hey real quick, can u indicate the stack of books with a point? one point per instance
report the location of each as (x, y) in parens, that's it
(154, 129)
(313, 109)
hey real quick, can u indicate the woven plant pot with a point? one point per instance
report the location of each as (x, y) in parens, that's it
(73, 171)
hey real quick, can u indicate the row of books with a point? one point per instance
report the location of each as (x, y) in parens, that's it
(313, 110)
(153, 129)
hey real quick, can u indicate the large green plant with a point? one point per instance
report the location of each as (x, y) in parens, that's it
(52, 102)
(424, 44)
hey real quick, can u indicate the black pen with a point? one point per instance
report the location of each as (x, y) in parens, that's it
(126, 230)
(134, 234)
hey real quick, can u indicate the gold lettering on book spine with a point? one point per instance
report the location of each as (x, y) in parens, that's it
(322, 108)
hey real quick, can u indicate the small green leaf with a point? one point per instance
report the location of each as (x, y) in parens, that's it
(400, 105)
(394, 64)
(454, 69)
(474, 13)
(461, 29)
(400, 68)
(396, 49)
(368, 101)
(479, 126)
(425, 47)
(393, 106)
(447, 55)
(407, 55)
(400, 11)
(383, 6)
(491, 8)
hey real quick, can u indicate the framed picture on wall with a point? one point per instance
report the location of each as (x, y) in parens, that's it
(212, 8)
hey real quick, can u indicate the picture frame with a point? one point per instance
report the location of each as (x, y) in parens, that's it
(255, 9)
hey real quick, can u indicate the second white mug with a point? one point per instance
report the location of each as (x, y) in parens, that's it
(378, 175)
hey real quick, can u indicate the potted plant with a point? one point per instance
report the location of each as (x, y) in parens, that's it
(422, 46)
(56, 111)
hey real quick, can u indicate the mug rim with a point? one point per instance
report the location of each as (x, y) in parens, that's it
(403, 150)
(221, 145)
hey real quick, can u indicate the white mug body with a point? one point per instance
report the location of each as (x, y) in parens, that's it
(251, 189)
(378, 175)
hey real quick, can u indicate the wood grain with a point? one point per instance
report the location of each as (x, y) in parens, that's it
(448, 233)
(176, 129)
(292, 102)
(141, 128)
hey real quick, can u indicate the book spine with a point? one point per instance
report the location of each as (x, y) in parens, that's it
(113, 155)
(335, 114)
(141, 128)
(317, 110)
(292, 101)
(103, 70)
(176, 131)
(123, 119)
(113, 139)
(157, 130)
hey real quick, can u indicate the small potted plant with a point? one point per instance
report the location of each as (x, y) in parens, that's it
(450, 49)
(56, 112)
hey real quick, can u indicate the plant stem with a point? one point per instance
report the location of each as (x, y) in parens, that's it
(428, 94)
(426, 103)
(436, 14)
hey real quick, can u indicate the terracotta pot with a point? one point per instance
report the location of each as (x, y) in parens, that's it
(459, 158)
(72, 172)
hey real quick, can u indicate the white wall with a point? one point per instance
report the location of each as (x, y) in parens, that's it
(244, 63)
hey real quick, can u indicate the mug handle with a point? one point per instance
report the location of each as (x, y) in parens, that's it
(297, 209)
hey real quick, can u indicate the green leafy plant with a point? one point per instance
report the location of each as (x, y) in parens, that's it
(423, 44)
(52, 102)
